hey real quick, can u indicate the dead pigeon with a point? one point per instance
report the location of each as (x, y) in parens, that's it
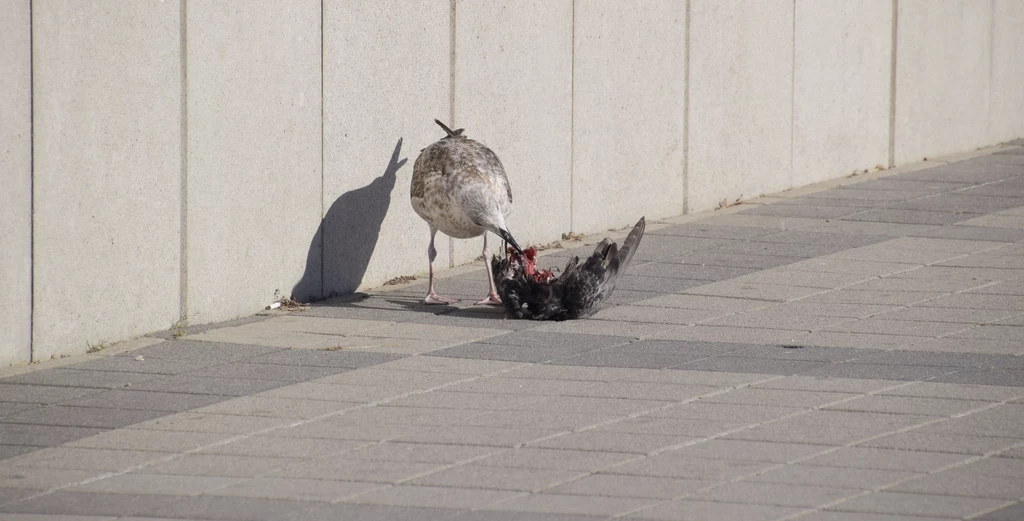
(460, 188)
(580, 290)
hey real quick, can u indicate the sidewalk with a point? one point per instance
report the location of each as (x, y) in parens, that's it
(850, 351)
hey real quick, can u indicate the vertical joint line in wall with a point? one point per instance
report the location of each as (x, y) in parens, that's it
(323, 164)
(451, 100)
(792, 101)
(892, 83)
(686, 113)
(572, 119)
(31, 185)
(991, 59)
(183, 65)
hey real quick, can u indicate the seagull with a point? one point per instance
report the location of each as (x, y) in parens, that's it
(460, 188)
(580, 290)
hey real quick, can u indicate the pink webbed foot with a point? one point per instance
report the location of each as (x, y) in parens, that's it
(491, 300)
(433, 299)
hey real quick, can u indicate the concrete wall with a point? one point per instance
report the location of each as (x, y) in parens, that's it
(106, 105)
(741, 100)
(16, 180)
(513, 92)
(629, 99)
(254, 166)
(840, 87)
(198, 158)
(943, 77)
(381, 95)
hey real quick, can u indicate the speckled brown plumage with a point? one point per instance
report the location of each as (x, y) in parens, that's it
(459, 187)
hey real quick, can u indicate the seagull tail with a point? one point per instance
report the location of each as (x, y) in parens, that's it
(451, 133)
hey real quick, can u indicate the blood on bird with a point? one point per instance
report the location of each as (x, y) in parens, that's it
(528, 263)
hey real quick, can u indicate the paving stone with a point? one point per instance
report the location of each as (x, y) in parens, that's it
(66, 377)
(653, 354)
(964, 481)
(85, 459)
(144, 400)
(205, 352)
(608, 327)
(462, 400)
(693, 509)
(898, 183)
(678, 465)
(612, 441)
(863, 267)
(646, 390)
(779, 224)
(573, 504)
(788, 249)
(225, 508)
(652, 286)
(703, 302)
(897, 327)
(777, 319)
(553, 421)
(965, 172)
(778, 494)
(11, 450)
(497, 478)
(913, 460)
(398, 415)
(332, 392)
(750, 450)
(510, 384)
(741, 364)
(294, 489)
(560, 459)
(929, 440)
(436, 497)
(345, 359)
(917, 504)
(823, 211)
(684, 377)
(739, 289)
(288, 373)
(909, 405)
(398, 381)
(96, 417)
(958, 202)
(989, 393)
(688, 271)
(205, 422)
(277, 447)
(87, 504)
(41, 394)
(957, 231)
(344, 468)
(276, 407)
(617, 485)
(778, 397)
(1010, 513)
(43, 435)
(871, 341)
(879, 371)
(731, 260)
(186, 383)
(955, 315)
(800, 308)
(420, 452)
(803, 353)
(830, 427)
(886, 253)
(732, 335)
(817, 383)
(833, 477)
(656, 315)
(730, 412)
(710, 231)
(155, 484)
(931, 285)
(874, 297)
(40, 478)
(873, 228)
(811, 279)
(131, 364)
(973, 360)
(469, 435)
(972, 345)
(891, 215)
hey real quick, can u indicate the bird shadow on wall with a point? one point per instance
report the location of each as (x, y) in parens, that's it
(344, 242)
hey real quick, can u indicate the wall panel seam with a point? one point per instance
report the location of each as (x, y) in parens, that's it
(892, 83)
(792, 102)
(686, 112)
(183, 230)
(32, 183)
(572, 119)
(323, 162)
(451, 99)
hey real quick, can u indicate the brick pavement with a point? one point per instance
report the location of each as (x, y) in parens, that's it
(850, 351)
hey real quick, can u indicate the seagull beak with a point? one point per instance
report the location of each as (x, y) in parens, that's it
(507, 237)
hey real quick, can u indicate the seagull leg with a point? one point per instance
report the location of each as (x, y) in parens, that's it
(492, 295)
(432, 297)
